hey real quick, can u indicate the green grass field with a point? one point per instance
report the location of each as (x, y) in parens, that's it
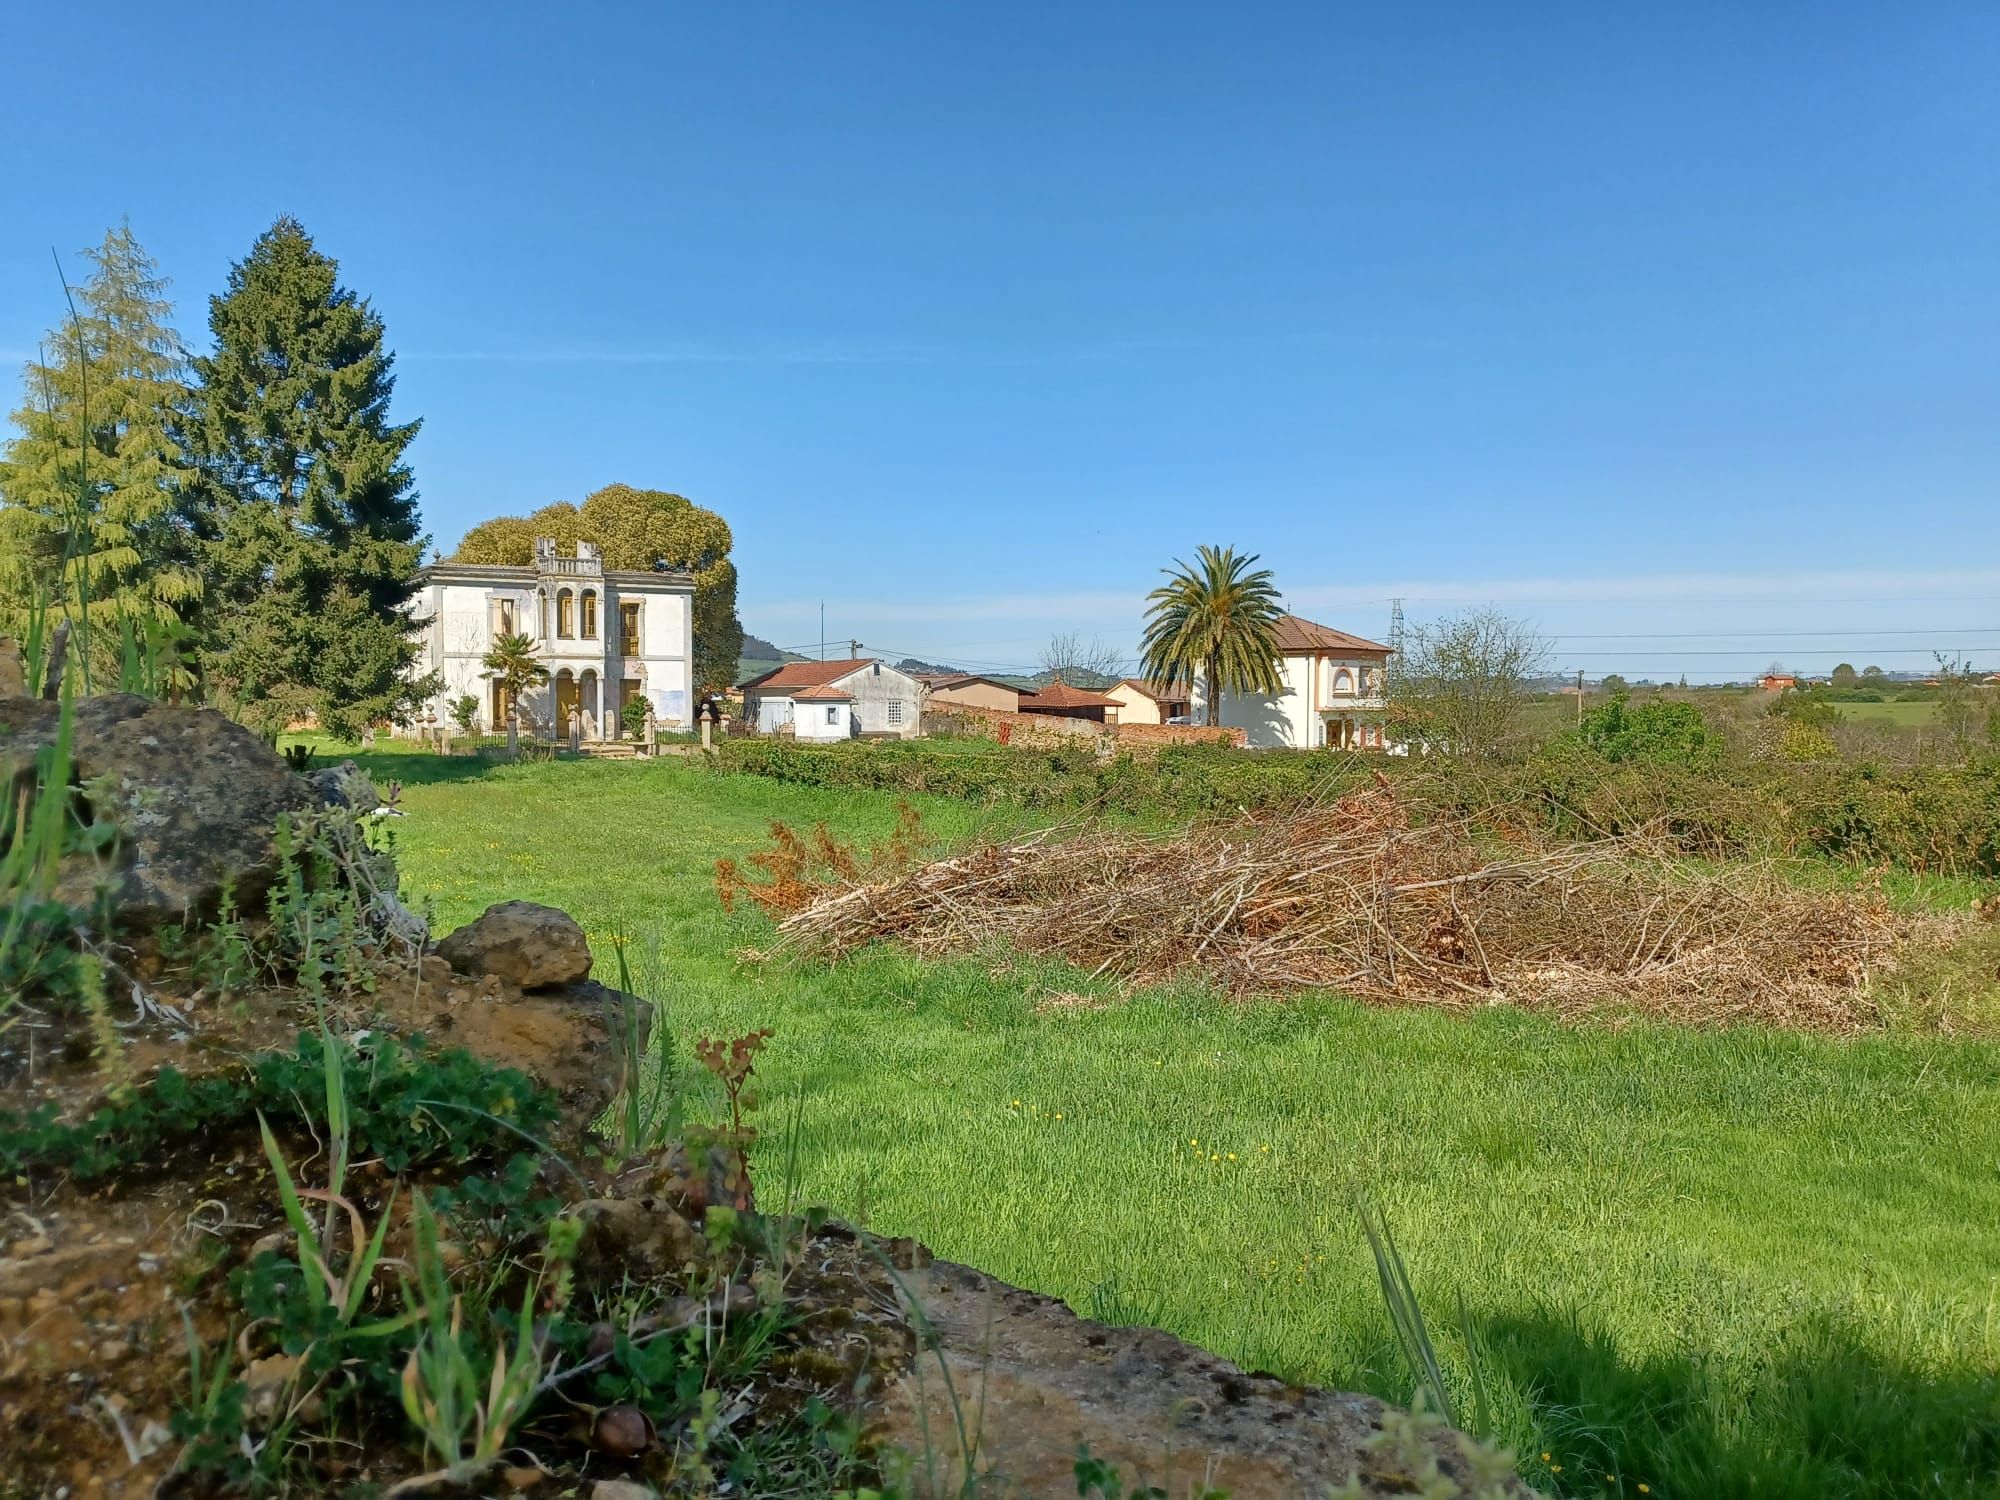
(1693, 1265)
(1916, 714)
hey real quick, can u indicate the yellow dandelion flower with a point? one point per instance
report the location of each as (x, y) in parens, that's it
(1545, 1458)
(1058, 1115)
(1645, 1489)
(1232, 1156)
(1213, 1157)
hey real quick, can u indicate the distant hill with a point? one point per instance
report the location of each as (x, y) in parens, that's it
(760, 656)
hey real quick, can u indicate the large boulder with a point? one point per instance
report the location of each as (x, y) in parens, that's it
(522, 943)
(1039, 1384)
(193, 796)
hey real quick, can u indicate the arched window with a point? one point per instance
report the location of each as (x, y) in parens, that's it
(565, 614)
(590, 614)
(1343, 681)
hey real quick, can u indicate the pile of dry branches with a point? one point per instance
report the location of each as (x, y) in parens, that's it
(1353, 897)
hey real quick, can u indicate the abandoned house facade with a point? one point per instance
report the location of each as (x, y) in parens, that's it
(606, 636)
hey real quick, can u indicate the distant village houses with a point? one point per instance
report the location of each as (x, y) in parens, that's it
(606, 636)
(834, 700)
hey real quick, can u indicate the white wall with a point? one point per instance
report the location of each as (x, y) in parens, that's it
(879, 691)
(666, 636)
(1278, 720)
(810, 721)
(1290, 719)
(773, 714)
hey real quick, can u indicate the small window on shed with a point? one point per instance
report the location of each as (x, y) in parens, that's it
(895, 710)
(878, 669)
(833, 713)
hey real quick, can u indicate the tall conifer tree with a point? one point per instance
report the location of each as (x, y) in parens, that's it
(304, 510)
(88, 486)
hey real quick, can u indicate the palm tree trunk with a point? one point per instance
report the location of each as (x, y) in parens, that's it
(1214, 669)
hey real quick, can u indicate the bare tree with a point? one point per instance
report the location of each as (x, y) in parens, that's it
(1081, 663)
(1458, 684)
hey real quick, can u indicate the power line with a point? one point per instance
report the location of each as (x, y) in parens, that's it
(1772, 635)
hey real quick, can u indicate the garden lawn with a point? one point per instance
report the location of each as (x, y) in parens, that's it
(1693, 1264)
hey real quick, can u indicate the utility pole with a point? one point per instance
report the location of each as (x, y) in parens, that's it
(853, 649)
(1579, 697)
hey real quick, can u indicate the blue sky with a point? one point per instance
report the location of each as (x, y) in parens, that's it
(1675, 329)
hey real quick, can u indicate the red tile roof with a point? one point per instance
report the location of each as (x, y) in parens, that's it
(1060, 694)
(798, 674)
(828, 694)
(1298, 637)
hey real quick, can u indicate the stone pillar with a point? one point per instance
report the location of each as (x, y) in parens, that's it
(652, 731)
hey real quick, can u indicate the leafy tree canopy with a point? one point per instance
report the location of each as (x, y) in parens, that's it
(1458, 684)
(639, 530)
(1216, 620)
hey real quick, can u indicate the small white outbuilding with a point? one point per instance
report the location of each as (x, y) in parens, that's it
(874, 697)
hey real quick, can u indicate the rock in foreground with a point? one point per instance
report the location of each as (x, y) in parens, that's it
(524, 944)
(194, 798)
(1038, 1384)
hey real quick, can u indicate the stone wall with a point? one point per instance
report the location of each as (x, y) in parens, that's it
(1048, 731)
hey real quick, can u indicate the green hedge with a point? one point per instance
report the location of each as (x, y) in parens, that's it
(1941, 819)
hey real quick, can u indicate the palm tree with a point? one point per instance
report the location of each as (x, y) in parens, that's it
(512, 667)
(1217, 620)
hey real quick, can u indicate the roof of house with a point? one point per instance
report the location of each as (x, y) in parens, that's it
(802, 674)
(1059, 694)
(508, 575)
(1296, 637)
(826, 694)
(1159, 692)
(936, 680)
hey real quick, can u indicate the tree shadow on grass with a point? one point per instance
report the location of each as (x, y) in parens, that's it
(413, 767)
(1814, 1412)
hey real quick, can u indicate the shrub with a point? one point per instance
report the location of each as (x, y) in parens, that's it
(465, 712)
(1658, 733)
(408, 1104)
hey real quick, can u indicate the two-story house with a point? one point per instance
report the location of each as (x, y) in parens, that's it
(1331, 693)
(606, 636)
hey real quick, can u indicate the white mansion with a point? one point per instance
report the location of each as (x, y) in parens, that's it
(606, 636)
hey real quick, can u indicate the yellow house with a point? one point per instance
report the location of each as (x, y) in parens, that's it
(1141, 702)
(945, 689)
